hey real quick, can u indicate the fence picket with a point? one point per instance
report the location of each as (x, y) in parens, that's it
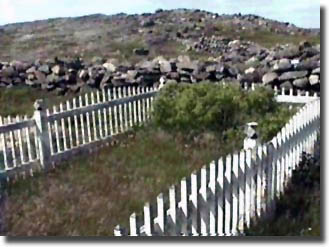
(203, 203)
(105, 114)
(99, 115)
(228, 194)
(20, 143)
(82, 122)
(183, 206)
(220, 197)
(159, 222)
(69, 122)
(147, 220)
(93, 114)
(194, 204)
(115, 113)
(258, 170)
(171, 212)
(28, 141)
(248, 188)
(242, 190)
(235, 192)
(4, 146)
(88, 122)
(134, 231)
(61, 109)
(125, 110)
(110, 114)
(212, 199)
(120, 111)
(130, 108)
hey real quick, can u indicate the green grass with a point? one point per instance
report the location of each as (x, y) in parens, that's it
(20, 99)
(265, 38)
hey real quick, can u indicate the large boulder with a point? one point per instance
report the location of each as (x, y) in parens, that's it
(58, 70)
(307, 65)
(147, 23)
(44, 69)
(286, 85)
(291, 75)
(282, 65)
(301, 82)
(314, 79)
(270, 78)
(110, 67)
(165, 66)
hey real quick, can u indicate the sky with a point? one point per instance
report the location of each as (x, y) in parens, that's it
(302, 13)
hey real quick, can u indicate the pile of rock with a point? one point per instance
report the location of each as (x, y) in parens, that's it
(295, 67)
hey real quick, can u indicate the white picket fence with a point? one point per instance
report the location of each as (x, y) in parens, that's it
(51, 135)
(224, 197)
(84, 122)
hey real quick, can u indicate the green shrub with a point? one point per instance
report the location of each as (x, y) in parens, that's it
(199, 107)
(196, 108)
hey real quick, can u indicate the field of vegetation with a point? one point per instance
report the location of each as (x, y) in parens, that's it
(90, 194)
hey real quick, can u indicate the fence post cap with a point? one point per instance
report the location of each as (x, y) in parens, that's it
(252, 124)
(39, 105)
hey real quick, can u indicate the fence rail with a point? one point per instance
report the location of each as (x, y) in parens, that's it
(81, 123)
(224, 197)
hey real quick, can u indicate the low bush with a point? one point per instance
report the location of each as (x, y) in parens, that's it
(198, 108)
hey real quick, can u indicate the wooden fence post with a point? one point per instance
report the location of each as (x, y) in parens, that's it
(41, 121)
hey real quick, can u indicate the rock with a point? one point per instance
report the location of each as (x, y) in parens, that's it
(147, 65)
(307, 65)
(50, 86)
(141, 51)
(147, 23)
(105, 80)
(58, 70)
(52, 78)
(286, 85)
(110, 67)
(211, 68)
(165, 67)
(40, 77)
(19, 66)
(290, 52)
(250, 70)
(97, 60)
(292, 75)
(282, 65)
(270, 77)
(75, 88)
(31, 70)
(316, 71)
(187, 65)
(314, 79)
(8, 72)
(83, 74)
(31, 77)
(304, 44)
(132, 75)
(44, 69)
(301, 83)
